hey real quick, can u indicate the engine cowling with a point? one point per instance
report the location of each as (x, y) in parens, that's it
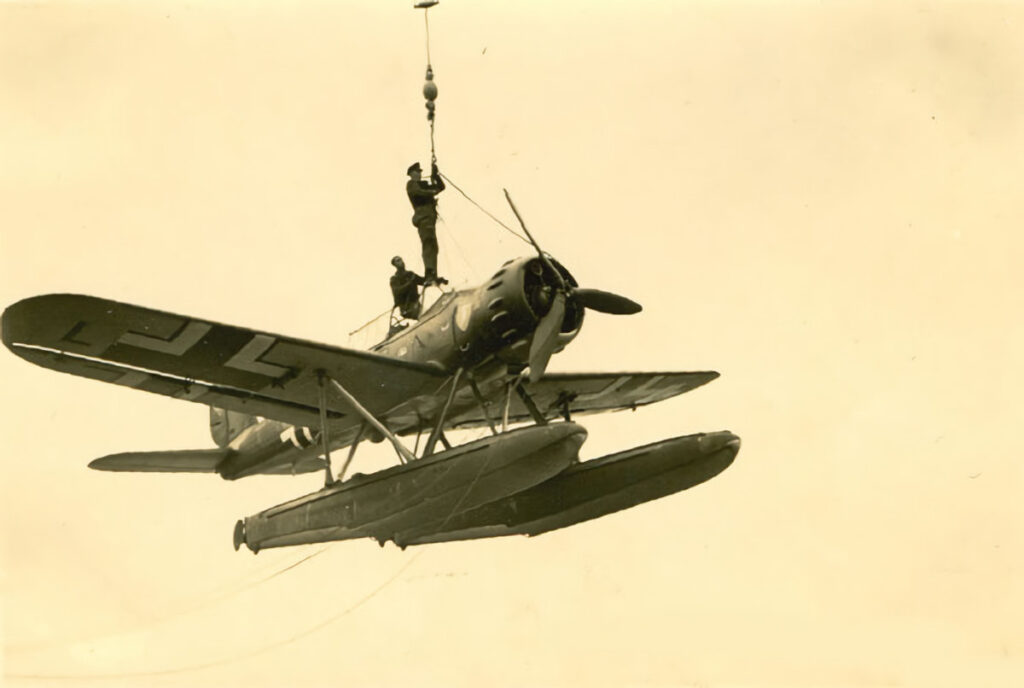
(496, 320)
(504, 312)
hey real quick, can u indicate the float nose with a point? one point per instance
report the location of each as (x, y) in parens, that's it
(712, 442)
(571, 433)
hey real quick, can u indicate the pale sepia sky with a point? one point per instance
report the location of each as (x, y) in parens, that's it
(819, 200)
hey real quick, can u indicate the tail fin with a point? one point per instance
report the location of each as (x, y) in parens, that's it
(226, 425)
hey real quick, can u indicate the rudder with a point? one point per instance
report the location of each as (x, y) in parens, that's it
(227, 425)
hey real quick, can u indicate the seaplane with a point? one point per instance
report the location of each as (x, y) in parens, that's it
(476, 358)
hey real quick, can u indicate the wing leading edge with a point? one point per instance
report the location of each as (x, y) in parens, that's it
(578, 394)
(235, 368)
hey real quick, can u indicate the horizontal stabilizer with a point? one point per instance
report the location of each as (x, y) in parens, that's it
(187, 461)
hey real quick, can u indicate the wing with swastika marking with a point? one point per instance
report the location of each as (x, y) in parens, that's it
(234, 368)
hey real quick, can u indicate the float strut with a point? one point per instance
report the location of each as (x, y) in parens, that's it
(516, 382)
(419, 434)
(352, 451)
(403, 453)
(483, 404)
(436, 433)
(508, 404)
(538, 417)
(324, 433)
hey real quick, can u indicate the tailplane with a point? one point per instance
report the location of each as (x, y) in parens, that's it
(187, 461)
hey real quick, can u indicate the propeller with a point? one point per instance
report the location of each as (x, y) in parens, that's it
(606, 302)
(545, 337)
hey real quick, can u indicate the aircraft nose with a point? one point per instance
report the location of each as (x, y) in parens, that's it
(712, 442)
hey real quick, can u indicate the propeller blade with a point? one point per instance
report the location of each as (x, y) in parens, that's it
(540, 252)
(606, 302)
(545, 337)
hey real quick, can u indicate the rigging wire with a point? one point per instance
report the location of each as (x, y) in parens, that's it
(485, 211)
(289, 640)
(450, 235)
(369, 322)
(286, 641)
(245, 655)
(182, 611)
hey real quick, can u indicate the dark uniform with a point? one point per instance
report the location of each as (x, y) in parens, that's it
(422, 196)
(405, 290)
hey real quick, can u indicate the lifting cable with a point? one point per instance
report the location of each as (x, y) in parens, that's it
(430, 94)
(429, 87)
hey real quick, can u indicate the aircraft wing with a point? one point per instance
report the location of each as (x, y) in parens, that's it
(235, 368)
(580, 393)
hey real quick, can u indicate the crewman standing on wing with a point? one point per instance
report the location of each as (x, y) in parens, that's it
(405, 289)
(422, 195)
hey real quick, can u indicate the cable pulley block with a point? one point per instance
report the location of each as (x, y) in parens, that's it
(430, 92)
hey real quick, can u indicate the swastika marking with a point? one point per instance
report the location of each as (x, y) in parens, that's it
(246, 358)
(176, 346)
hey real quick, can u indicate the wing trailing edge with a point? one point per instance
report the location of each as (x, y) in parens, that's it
(246, 371)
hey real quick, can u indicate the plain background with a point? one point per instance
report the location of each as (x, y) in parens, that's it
(819, 200)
